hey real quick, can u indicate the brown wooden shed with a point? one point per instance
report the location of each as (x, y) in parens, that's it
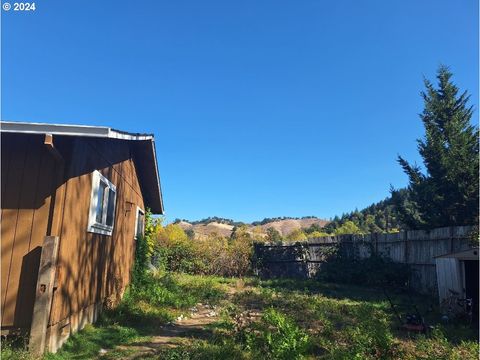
(73, 199)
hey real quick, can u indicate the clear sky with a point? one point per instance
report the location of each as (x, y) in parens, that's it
(259, 108)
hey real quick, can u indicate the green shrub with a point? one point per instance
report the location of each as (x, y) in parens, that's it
(15, 349)
(179, 257)
(276, 336)
(373, 271)
(213, 255)
(369, 337)
(144, 249)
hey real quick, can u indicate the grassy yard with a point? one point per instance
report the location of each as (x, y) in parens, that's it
(176, 316)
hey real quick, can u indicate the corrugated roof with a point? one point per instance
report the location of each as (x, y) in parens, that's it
(149, 175)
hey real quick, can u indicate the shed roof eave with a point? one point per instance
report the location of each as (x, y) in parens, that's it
(70, 130)
(153, 192)
(469, 254)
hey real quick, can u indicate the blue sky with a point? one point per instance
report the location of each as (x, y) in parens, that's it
(259, 108)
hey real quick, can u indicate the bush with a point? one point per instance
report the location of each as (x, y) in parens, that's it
(369, 338)
(276, 336)
(212, 255)
(374, 270)
(144, 249)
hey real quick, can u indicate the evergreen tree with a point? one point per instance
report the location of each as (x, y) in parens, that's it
(447, 193)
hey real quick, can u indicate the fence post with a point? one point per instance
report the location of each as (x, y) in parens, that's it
(43, 295)
(451, 239)
(405, 238)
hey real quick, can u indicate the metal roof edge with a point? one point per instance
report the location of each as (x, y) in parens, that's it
(70, 130)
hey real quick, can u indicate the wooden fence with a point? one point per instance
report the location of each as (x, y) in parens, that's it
(417, 248)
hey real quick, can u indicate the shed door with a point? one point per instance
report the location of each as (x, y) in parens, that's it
(471, 284)
(448, 277)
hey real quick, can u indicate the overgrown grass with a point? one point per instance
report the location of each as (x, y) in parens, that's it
(157, 300)
(88, 343)
(274, 319)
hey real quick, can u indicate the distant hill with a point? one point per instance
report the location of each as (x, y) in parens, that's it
(221, 226)
(288, 225)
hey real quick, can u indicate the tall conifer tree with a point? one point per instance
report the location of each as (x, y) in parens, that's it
(447, 192)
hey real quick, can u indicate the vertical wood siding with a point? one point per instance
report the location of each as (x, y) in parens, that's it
(43, 197)
(91, 266)
(27, 181)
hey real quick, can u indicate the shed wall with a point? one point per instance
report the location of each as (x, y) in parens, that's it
(27, 176)
(449, 276)
(94, 267)
(42, 196)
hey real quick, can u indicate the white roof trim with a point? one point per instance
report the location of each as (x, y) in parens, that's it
(70, 130)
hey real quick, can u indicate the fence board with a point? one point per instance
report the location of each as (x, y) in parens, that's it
(418, 248)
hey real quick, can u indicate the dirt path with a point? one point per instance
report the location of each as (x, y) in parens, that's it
(180, 332)
(184, 330)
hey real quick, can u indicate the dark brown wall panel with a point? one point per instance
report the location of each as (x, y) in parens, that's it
(93, 266)
(26, 192)
(35, 194)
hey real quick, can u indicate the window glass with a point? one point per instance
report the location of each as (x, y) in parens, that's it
(102, 206)
(140, 223)
(100, 202)
(111, 207)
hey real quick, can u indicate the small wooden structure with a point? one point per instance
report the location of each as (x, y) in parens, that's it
(73, 200)
(458, 271)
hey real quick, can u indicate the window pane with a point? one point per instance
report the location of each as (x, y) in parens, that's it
(111, 207)
(140, 223)
(100, 200)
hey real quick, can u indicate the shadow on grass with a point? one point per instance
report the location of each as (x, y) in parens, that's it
(405, 302)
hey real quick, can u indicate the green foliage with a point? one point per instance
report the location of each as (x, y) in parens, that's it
(317, 234)
(159, 299)
(276, 336)
(179, 257)
(202, 350)
(212, 255)
(15, 349)
(297, 235)
(273, 235)
(179, 292)
(381, 217)
(144, 249)
(342, 322)
(348, 227)
(370, 338)
(373, 271)
(314, 231)
(447, 193)
(87, 343)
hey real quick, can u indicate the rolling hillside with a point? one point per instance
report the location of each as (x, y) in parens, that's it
(225, 226)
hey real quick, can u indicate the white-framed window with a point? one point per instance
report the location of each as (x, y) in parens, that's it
(102, 205)
(139, 223)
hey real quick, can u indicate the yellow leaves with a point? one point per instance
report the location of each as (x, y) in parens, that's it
(171, 234)
(317, 234)
(297, 235)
